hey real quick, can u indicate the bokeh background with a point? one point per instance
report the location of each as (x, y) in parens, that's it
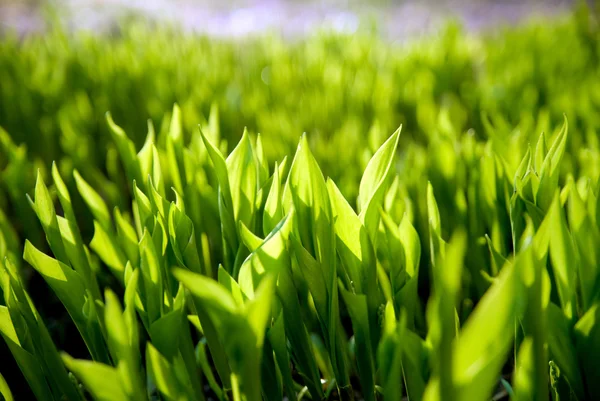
(235, 18)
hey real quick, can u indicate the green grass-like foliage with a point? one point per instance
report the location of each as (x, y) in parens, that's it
(310, 298)
(458, 262)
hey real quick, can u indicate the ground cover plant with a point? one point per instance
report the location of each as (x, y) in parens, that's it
(453, 258)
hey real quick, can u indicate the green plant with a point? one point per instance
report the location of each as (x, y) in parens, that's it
(457, 261)
(311, 298)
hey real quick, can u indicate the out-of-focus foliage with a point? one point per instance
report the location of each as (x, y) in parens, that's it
(456, 260)
(56, 88)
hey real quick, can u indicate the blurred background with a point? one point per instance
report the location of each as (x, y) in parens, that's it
(333, 69)
(231, 18)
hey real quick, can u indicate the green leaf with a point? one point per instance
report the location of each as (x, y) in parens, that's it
(524, 381)
(183, 239)
(102, 381)
(270, 257)
(497, 259)
(549, 172)
(151, 277)
(225, 203)
(412, 254)
(28, 364)
(5, 390)
(211, 294)
(146, 154)
(160, 206)
(398, 264)
(273, 211)
(33, 339)
(447, 274)
(64, 281)
(389, 355)
(258, 310)
(270, 376)
(297, 334)
(243, 173)
(373, 184)
(276, 336)
(232, 286)
(315, 226)
(127, 238)
(562, 255)
(126, 150)
(142, 209)
(587, 344)
(202, 359)
(313, 208)
(352, 241)
(94, 201)
(130, 298)
(164, 333)
(312, 271)
(107, 248)
(174, 158)
(71, 236)
(164, 375)
(45, 211)
(263, 163)
(541, 149)
(480, 352)
(585, 236)
(433, 213)
(530, 266)
(358, 310)
(251, 240)
(377, 169)
(213, 303)
(220, 167)
(414, 360)
(124, 353)
(562, 349)
(357, 255)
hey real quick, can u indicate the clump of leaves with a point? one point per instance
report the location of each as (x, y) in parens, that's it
(248, 280)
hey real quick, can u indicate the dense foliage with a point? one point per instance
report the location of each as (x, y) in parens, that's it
(191, 258)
